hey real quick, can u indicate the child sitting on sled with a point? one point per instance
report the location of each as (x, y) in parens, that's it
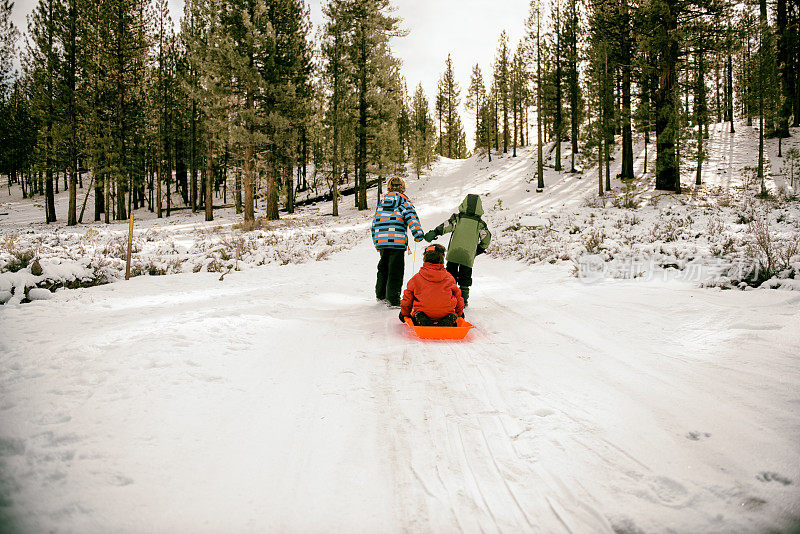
(432, 297)
(470, 238)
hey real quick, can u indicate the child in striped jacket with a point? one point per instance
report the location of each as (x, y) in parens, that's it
(393, 217)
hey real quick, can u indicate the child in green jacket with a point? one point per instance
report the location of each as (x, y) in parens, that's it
(470, 238)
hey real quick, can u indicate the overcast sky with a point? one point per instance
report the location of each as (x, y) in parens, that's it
(467, 29)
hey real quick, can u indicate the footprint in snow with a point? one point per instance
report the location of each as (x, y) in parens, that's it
(755, 327)
(697, 436)
(669, 492)
(769, 476)
(11, 447)
(52, 419)
(753, 504)
(50, 439)
(119, 480)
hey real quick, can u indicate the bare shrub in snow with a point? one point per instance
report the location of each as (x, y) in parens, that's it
(716, 226)
(20, 259)
(791, 168)
(669, 229)
(628, 199)
(150, 268)
(8, 243)
(594, 241)
(259, 223)
(771, 254)
(594, 201)
(118, 247)
(91, 237)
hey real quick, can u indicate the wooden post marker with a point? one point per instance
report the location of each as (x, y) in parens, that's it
(130, 241)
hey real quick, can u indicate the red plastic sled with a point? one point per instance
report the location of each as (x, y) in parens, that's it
(441, 332)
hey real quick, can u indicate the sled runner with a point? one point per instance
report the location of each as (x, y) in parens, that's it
(441, 332)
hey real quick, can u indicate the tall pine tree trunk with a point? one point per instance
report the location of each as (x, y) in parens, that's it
(557, 125)
(540, 162)
(627, 134)
(600, 138)
(272, 190)
(209, 180)
(361, 185)
(731, 113)
(249, 163)
(72, 67)
(50, 203)
(159, 168)
(248, 181)
(784, 69)
(667, 174)
(573, 95)
(336, 121)
(700, 112)
(514, 107)
(193, 156)
(496, 125)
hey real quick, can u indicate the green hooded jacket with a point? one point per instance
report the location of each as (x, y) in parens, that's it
(470, 234)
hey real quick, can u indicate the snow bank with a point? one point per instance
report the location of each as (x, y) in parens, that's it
(83, 257)
(712, 245)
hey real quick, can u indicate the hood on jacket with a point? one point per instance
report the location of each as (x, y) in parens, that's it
(433, 272)
(391, 200)
(471, 205)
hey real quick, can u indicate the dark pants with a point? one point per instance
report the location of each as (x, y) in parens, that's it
(461, 273)
(421, 319)
(390, 275)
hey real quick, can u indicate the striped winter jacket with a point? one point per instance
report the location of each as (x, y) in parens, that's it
(395, 214)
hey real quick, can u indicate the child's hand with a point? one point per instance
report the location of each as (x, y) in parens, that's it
(430, 236)
(402, 317)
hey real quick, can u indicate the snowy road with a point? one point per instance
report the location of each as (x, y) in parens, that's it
(286, 399)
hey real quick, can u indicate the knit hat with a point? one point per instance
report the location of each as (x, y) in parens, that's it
(396, 184)
(434, 254)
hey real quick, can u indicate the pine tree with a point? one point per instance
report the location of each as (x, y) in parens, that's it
(160, 90)
(189, 35)
(519, 92)
(372, 28)
(122, 60)
(669, 20)
(43, 65)
(336, 71)
(572, 30)
(287, 72)
(557, 77)
(8, 47)
(475, 97)
(440, 113)
(502, 75)
(449, 99)
(423, 130)
(534, 28)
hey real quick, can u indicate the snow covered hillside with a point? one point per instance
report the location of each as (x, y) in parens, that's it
(282, 397)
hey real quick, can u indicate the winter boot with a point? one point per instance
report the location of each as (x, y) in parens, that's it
(421, 319)
(448, 320)
(465, 295)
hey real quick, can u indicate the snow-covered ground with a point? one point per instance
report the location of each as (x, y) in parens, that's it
(284, 398)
